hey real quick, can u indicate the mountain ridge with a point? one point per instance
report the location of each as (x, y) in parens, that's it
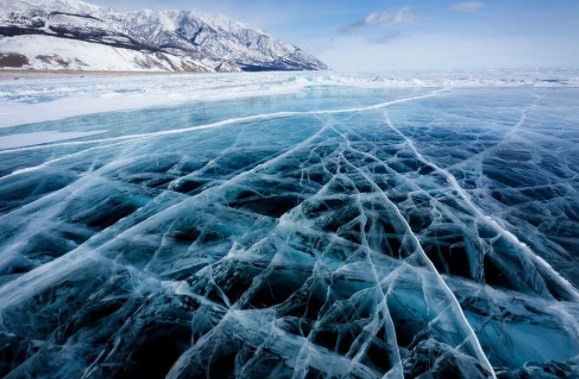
(57, 34)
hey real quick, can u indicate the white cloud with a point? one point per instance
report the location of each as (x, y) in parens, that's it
(396, 16)
(468, 6)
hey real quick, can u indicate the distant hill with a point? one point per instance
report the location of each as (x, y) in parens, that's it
(74, 35)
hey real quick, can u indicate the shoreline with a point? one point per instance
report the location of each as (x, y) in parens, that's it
(16, 74)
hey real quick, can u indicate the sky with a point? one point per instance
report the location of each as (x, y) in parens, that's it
(376, 35)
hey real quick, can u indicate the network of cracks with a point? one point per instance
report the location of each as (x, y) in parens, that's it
(433, 235)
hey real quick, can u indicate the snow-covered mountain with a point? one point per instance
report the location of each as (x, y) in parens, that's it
(71, 34)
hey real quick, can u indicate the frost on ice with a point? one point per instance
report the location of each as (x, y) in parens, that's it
(334, 232)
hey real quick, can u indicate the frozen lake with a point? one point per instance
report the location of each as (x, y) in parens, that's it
(295, 224)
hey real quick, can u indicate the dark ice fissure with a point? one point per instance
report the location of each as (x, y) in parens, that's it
(402, 233)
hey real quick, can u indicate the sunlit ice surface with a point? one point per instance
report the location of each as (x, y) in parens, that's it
(290, 225)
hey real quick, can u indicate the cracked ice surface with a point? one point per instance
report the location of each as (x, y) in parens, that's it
(332, 231)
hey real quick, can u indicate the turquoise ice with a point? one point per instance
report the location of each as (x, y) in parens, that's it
(289, 225)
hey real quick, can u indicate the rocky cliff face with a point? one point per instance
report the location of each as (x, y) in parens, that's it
(70, 34)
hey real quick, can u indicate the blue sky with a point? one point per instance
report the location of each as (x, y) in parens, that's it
(376, 35)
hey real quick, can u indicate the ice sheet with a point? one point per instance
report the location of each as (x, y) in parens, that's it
(326, 231)
(31, 100)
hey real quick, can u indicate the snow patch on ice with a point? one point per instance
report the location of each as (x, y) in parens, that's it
(37, 138)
